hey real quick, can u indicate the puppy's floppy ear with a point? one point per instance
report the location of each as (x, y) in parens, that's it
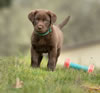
(31, 15)
(53, 17)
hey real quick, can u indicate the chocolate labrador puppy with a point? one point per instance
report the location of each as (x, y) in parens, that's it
(46, 37)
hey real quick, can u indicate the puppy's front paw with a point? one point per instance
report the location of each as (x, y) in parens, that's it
(51, 67)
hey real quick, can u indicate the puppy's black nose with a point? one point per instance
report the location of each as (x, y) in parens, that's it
(40, 27)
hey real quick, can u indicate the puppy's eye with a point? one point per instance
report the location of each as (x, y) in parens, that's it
(46, 21)
(36, 20)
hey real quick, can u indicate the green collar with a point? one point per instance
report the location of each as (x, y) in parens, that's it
(45, 33)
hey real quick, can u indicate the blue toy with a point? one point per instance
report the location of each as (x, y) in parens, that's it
(68, 64)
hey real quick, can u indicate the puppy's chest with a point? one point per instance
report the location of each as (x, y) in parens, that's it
(41, 42)
(42, 45)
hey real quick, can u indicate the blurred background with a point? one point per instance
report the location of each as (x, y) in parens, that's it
(81, 34)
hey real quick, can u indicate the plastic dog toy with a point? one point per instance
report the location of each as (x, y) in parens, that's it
(68, 64)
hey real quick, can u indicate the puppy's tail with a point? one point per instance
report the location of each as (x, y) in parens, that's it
(64, 22)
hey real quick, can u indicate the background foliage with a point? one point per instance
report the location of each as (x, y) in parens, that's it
(15, 28)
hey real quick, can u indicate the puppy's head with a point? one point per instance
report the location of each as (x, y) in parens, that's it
(42, 20)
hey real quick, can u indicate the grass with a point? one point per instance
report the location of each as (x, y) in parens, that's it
(41, 80)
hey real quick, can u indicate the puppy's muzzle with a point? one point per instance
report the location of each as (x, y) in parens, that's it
(40, 27)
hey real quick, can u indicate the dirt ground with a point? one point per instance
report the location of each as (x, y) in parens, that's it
(84, 56)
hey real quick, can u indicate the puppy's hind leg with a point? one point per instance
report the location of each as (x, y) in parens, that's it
(58, 54)
(40, 59)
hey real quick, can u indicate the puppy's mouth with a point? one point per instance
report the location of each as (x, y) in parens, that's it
(43, 33)
(40, 30)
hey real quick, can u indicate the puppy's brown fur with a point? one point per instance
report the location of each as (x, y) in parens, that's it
(51, 43)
